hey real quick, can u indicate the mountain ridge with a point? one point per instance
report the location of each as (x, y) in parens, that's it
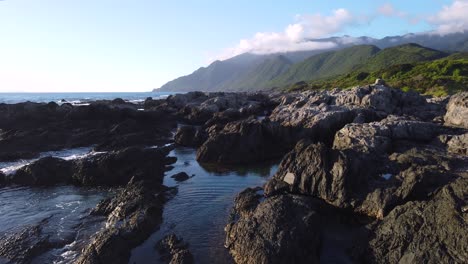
(248, 72)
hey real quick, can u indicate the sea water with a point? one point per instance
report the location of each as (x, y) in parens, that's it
(198, 213)
(79, 98)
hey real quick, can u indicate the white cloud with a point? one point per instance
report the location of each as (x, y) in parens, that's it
(295, 36)
(387, 10)
(452, 18)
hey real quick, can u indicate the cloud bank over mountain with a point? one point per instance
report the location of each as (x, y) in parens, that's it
(452, 18)
(294, 37)
(300, 35)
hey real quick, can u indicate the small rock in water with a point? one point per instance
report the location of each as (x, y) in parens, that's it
(181, 176)
(174, 250)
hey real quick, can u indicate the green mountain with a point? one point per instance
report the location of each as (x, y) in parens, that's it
(216, 75)
(260, 75)
(251, 72)
(326, 64)
(407, 53)
(439, 77)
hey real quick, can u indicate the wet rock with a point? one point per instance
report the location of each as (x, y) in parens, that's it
(245, 141)
(457, 110)
(107, 169)
(23, 246)
(180, 177)
(281, 229)
(30, 128)
(431, 231)
(46, 171)
(366, 183)
(173, 250)
(132, 215)
(190, 136)
(246, 201)
(117, 168)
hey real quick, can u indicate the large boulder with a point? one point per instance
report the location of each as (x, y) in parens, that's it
(365, 183)
(132, 215)
(246, 141)
(281, 229)
(457, 110)
(190, 136)
(379, 136)
(118, 167)
(430, 231)
(45, 171)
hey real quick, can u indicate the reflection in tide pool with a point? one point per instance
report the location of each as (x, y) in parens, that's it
(201, 208)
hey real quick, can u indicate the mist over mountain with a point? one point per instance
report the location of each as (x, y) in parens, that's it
(250, 72)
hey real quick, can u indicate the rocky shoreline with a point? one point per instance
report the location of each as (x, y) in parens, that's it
(387, 167)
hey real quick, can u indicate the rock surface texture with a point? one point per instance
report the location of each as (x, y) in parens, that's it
(385, 158)
(173, 250)
(368, 175)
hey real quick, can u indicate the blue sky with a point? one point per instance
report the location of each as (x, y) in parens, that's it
(137, 45)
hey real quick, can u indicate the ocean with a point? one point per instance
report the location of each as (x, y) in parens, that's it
(78, 98)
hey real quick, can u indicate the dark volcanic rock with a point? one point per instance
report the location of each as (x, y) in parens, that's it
(132, 215)
(117, 168)
(246, 201)
(282, 229)
(23, 246)
(245, 141)
(457, 110)
(366, 183)
(46, 171)
(181, 176)
(29, 128)
(190, 136)
(174, 251)
(432, 231)
(198, 108)
(107, 169)
(378, 137)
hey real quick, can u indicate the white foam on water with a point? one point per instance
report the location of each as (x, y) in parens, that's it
(136, 101)
(69, 255)
(9, 168)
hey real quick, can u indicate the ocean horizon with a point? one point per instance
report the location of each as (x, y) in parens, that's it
(78, 97)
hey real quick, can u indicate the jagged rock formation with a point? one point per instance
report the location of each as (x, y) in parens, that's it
(107, 169)
(391, 160)
(173, 250)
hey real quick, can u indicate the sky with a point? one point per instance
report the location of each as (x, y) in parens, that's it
(138, 45)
